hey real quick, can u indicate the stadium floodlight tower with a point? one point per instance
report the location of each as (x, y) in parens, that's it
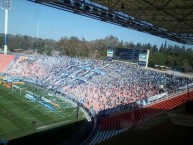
(6, 5)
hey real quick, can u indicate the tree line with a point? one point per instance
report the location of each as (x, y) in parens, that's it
(176, 57)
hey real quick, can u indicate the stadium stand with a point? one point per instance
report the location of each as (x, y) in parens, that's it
(121, 95)
(103, 135)
(5, 60)
(106, 87)
(137, 116)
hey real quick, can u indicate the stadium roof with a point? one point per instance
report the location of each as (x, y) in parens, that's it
(170, 19)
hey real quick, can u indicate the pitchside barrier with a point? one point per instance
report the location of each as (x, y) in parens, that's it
(30, 97)
(34, 97)
(7, 85)
(46, 105)
(50, 102)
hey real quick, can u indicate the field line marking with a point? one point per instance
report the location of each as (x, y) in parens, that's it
(48, 126)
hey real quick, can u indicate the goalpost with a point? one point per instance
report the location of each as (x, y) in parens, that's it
(14, 87)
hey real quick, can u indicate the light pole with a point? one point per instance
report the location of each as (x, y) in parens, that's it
(6, 5)
(96, 53)
(45, 46)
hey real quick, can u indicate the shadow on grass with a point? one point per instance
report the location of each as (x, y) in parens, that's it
(70, 134)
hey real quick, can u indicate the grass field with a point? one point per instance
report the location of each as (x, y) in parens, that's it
(20, 116)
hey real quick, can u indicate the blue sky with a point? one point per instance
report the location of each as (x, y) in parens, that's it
(54, 24)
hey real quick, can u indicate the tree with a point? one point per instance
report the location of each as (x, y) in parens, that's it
(154, 48)
(170, 61)
(161, 49)
(168, 55)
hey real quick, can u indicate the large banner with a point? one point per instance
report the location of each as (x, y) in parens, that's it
(156, 97)
(30, 97)
(186, 86)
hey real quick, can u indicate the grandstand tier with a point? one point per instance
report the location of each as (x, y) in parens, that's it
(120, 94)
(5, 60)
(138, 116)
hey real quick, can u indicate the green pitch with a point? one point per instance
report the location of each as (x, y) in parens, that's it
(20, 116)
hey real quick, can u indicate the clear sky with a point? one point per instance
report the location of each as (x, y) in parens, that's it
(54, 24)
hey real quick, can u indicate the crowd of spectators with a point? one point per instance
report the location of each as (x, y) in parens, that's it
(97, 84)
